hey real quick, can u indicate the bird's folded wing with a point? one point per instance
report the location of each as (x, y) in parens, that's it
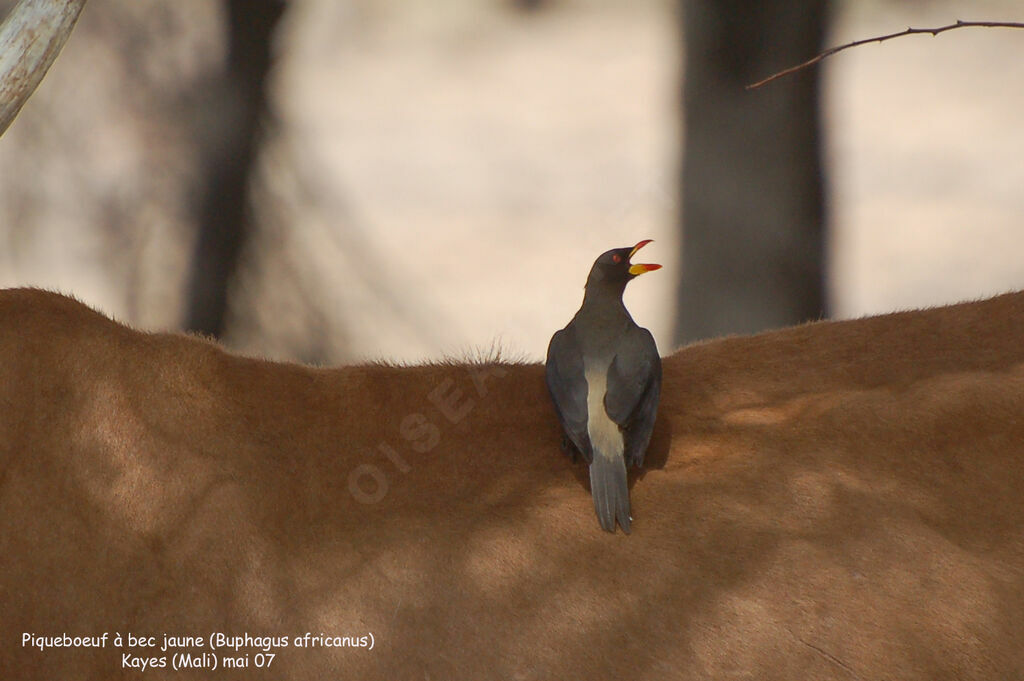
(634, 384)
(568, 387)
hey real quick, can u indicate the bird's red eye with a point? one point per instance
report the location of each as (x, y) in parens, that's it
(616, 258)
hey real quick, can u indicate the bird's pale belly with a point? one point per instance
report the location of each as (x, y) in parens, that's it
(605, 435)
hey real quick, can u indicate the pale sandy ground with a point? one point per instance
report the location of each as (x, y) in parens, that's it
(466, 169)
(927, 153)
(487, 163)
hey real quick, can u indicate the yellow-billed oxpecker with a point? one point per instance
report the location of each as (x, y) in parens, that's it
(604, 376)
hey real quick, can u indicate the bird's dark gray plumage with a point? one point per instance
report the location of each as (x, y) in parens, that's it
(604, 376)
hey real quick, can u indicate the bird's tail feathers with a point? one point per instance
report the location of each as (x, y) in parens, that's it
(610, 491)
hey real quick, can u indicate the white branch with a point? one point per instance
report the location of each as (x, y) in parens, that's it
(30, 39)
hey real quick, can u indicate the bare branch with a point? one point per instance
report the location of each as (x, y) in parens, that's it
(30, 39)
(882, 38)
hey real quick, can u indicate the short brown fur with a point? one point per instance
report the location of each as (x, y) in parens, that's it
(840, 500)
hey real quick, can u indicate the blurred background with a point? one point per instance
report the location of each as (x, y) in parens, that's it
(335, 181)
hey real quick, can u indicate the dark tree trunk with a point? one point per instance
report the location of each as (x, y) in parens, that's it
(239, 109)
(529, 5)
(752, 179)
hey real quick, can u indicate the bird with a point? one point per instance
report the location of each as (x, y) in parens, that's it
(603, 372)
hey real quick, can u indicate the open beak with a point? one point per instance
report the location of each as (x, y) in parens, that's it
(640, 269)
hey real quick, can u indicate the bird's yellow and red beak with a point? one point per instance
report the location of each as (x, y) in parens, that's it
(640, 269)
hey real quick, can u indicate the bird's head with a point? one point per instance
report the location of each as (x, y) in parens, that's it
(615, 269)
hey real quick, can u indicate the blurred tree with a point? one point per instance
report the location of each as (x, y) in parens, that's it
(752, 180)
(529, 5)
(238, 113)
